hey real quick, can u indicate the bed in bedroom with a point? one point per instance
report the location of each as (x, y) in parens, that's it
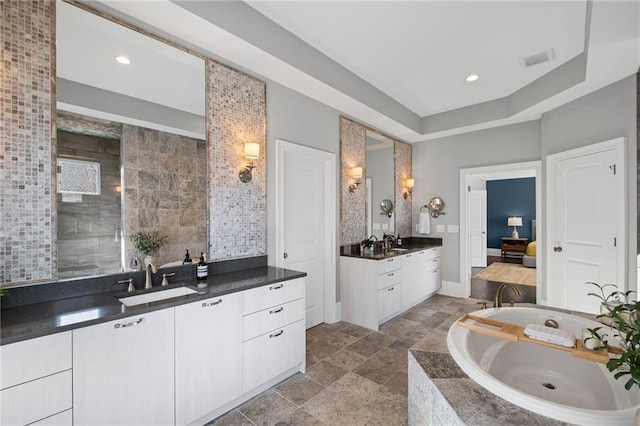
(529, 258)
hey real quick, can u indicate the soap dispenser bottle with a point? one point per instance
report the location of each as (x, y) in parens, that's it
(202, 270)
(398, 241)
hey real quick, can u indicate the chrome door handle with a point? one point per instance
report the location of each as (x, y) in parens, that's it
(285, 255)
(557, 249)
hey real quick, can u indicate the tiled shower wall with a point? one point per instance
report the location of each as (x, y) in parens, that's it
(236, 109)
(165, 181)
(353, 152)
(402, 158)
(27, 252)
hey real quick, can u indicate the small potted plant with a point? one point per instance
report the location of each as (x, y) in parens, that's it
(149, 244)
(622, 314)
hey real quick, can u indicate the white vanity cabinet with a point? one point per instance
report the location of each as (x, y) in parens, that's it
(207, 356)
(434, 274)
(36, 381)
(123, 371)
(374, 291)
(273, 332)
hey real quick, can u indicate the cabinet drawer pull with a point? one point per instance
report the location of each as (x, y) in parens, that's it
(129, 324)
(408, 255)
(207, 304)
(390, 274)
(276, 334)
(390, 288)
(390, 260)
(276, 287)
(275, 311)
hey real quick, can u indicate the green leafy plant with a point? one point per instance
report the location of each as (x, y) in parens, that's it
(623, 316)
(149, 242)
(3, 292)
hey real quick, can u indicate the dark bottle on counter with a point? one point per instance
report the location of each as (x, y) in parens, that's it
(202, 269)
(187, 258)
(398, 241)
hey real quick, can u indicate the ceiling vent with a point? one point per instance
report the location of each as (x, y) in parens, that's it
(538, 58)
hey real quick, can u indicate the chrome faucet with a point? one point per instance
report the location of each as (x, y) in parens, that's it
(389, 241)
(497, 302)
(151, 268)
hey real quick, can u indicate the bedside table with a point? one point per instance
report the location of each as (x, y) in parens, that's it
(513, 245)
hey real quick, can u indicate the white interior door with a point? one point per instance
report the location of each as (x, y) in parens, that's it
(586, 210)
(478, 227)
(306, 233)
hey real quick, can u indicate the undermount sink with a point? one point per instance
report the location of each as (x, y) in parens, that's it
(156, 296)
(399, 250)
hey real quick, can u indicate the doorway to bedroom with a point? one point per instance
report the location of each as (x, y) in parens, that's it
(500, 208)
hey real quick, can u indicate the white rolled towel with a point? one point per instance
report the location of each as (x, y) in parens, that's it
(424, 223)
(551, 335)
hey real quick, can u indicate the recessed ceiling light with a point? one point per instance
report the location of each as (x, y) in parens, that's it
(472, 77)
(123, 60)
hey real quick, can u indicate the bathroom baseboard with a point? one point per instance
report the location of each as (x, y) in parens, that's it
(453, 289)
(494, 252)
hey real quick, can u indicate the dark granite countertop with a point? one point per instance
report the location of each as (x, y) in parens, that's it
(409, 245)
(40, 319)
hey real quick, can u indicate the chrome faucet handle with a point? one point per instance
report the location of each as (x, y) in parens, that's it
(164, 278)
(131, 288)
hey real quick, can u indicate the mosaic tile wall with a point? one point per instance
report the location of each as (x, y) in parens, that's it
(402, 157)
(236, 112)
(353, 226)
(26, 95)
(165, 184)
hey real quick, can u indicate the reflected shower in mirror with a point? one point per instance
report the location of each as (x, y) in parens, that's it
(131, 107)
(380, 183)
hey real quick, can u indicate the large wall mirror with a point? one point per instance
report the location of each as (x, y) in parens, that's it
(380, 172)
(130, 145)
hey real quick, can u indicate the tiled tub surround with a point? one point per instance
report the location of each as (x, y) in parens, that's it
(27, 251)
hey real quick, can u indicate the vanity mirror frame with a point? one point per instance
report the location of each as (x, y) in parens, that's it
(117, 129)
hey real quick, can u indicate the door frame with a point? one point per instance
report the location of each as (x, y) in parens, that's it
(494, 172)
(329, 203)
(619, 147)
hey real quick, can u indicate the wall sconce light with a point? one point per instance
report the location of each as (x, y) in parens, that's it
(409, 183)
(356, 173)
(514, 221)
(251, 152)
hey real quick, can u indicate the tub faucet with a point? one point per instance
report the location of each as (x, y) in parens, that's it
(497, 302)
(151, 268)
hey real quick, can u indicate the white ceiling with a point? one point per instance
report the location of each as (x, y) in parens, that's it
(419, 53)
(400, 66)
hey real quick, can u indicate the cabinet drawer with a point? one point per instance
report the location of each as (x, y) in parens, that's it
(389, 278)
(35, 400)
(433, 263)
(390, 264)
(270, 295)
(272, 318)
(272, 354)
(35, 358)
(433, 252)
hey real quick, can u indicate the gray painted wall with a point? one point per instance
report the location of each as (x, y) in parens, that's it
(600, 116)
(605, 114)
(296, 118)
(436, 169)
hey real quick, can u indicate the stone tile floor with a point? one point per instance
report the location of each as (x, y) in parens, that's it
(355, 376)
